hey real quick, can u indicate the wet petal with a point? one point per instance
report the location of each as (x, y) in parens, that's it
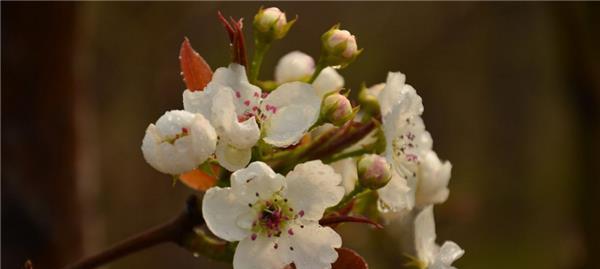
(289, 112)
(231, 157)
(328, 81)
(179, 142)
(259, 253)
(294, 66)
(310, 245)
(433, 178)
(256, 181)
(396, 194)
(312, 187)
(241, 135)
(347, 169)
(220, 209)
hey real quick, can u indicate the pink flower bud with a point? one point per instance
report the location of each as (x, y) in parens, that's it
(373, 171)
(337, 108)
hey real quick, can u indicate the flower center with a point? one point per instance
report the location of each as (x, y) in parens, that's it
(273, 216)
(171, 140)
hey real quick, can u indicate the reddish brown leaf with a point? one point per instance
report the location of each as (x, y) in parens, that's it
(349, 259)
(199, 180)
(196, 72)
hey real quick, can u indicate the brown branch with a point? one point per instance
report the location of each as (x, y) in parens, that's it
(173, 231)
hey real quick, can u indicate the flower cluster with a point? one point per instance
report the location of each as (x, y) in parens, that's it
(287, 160)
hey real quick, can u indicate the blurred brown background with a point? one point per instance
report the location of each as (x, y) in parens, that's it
(511, 91)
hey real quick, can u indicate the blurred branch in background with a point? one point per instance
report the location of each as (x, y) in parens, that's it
(40, 210)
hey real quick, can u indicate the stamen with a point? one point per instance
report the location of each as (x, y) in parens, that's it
(253, 237)
(290, 231)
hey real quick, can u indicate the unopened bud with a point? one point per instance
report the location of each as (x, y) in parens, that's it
(339, 47)
(337, 109)
(373, 171)
(270, 24)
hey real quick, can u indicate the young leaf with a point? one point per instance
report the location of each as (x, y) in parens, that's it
(200, 180)
(196, 72)
(349, 259)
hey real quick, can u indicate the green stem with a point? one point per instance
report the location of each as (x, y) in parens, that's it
(358, 191)
(345, 155)
(257, 59)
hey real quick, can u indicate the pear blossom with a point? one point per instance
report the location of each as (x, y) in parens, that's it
(429, 254)
(406, 140)
(276, 218)
(231, 103)
(179, 142)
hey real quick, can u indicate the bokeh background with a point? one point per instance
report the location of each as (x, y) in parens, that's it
(511, 94)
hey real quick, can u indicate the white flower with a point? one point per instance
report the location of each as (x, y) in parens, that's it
(231, 103)
(276, 219)
(433, 177)
(430, 255)
(289, 112)
(406, 140)
(179, 142)
(294, 66)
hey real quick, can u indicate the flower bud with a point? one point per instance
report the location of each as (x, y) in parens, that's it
(270, 24)
(337, 109)
(373, 171)
(339, 47)
(294, 66)
(367, 97)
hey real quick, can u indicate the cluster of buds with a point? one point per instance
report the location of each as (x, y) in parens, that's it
(284, 161)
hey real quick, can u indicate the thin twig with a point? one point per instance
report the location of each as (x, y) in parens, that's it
(172, 231)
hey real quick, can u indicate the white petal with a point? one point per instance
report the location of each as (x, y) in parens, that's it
(406, 142)
(450, 252)
(258, 254)
(433, 180)
(395, 196)
(289, 111)
(347, 169)
(312, 246)
(425, 235)
(328, 81)
(312, 187)
(231, 157)
(257, 178)
(289, 125)
(390, 94)
(247, 96)
(294, 66)
(179, 142)
(241, 135)
(221, 209)
(199, 102)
